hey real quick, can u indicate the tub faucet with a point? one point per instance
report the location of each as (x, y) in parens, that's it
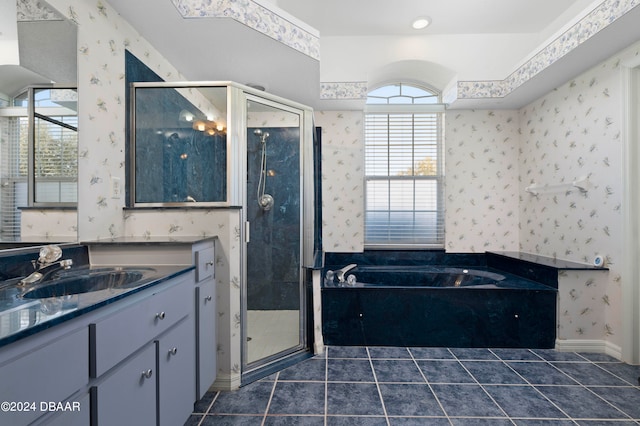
(341, 272)
(46, 264)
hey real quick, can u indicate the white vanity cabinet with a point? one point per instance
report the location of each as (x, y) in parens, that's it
(142, 358)
(182, 250)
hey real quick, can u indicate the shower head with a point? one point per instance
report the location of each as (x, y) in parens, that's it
(263, 135)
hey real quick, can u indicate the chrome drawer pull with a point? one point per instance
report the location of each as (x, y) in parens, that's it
(147, 374)
(173, 351)
(210, 263)
(207, 299)
(160, 315)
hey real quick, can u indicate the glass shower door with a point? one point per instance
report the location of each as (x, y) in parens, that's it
(274, 297)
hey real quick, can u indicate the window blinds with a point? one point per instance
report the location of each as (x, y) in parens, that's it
(404, 179)
(13, 181)
(56, 159)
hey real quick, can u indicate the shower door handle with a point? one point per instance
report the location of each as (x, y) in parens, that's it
(247, 231)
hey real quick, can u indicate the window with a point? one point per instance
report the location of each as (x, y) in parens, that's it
(55, 146)
(39, 157)
(404, 179)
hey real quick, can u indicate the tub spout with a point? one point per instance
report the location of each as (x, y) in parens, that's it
(341, 272)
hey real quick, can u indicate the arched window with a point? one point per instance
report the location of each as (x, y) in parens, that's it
(404, 177)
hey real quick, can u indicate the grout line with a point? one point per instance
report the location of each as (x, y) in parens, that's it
(326, 384)
(206, 412)
(273, 390)
(431, 388)
(375, 378)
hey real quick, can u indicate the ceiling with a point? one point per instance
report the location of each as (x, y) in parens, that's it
(384, 17)
(222, 49)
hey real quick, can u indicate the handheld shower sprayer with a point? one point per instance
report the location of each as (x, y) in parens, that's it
(265, 201)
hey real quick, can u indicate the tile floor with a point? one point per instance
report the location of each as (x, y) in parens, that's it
(435, 386)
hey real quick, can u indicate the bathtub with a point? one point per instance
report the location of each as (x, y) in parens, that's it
(438, 306)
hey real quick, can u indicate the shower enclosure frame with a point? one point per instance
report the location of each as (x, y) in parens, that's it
(238, 197)
(254, 370)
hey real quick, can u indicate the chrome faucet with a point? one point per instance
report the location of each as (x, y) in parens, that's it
(47, 260)
(340, 272)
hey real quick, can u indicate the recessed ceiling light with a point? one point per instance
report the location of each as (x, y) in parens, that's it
(422, 22)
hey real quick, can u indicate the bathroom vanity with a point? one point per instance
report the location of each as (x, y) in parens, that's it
(137, 355)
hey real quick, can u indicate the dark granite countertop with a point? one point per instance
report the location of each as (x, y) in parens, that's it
(20, 317)
(551, 262)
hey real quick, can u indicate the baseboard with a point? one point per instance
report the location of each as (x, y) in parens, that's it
(589, 346)
(226, 382)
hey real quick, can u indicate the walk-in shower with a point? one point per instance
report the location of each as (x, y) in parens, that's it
(248, 157)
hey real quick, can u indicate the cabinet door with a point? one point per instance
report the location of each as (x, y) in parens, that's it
(77, 415)
(128, 395)
(176, 375)
(51, 373)
(206, 335)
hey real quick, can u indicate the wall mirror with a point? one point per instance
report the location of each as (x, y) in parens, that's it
(42, 53)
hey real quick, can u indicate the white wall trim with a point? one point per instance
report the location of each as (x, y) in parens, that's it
(589, 346)
(631, 213)
(226, 382)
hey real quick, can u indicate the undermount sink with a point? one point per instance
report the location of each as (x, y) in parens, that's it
(77, 283)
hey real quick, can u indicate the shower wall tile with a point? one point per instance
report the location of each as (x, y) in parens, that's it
(342, 180)
(481, 165)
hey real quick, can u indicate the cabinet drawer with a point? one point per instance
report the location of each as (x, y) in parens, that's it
(128, 395)
(51, 373)
(205, 262)
(115, 337)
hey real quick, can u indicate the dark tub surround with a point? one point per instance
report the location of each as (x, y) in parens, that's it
(434, 298)
(510, 312)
